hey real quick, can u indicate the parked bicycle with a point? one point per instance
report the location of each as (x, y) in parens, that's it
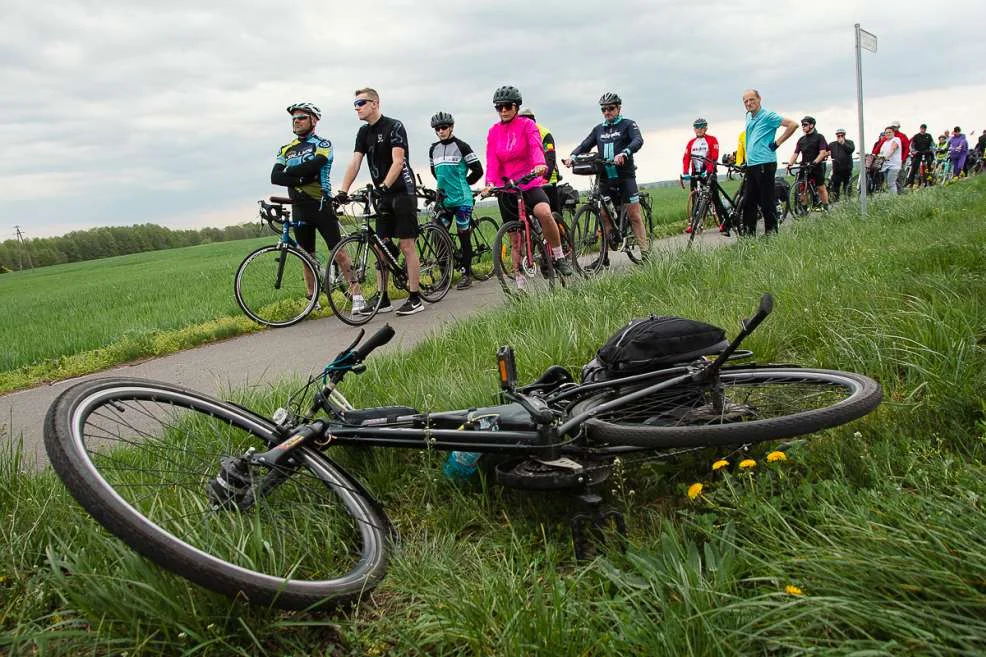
(377, 264)
(482, 232)
(520, 247)
(602, 224)
(272, 285)
(262, 510)
(804, 192)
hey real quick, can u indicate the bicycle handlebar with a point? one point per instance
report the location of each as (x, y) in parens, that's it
(378, 339)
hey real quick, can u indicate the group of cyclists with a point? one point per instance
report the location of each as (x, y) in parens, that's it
(517, 149)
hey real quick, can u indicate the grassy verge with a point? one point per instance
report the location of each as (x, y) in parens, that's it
(864, 540)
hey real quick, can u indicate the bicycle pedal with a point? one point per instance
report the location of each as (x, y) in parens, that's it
(562, 462)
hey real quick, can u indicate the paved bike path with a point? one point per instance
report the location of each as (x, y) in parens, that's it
(261, 359)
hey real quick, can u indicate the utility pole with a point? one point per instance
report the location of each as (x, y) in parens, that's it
(864, 41)
(23, 250)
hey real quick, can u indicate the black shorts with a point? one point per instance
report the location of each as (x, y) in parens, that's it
(551, 191)
(397, 216)
(316, 216)
(622, 190)
(508, 203)
(816, 173)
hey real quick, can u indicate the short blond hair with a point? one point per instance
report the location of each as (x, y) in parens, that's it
(369, 91)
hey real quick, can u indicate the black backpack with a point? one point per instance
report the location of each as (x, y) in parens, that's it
(568, 196)
(651, 343)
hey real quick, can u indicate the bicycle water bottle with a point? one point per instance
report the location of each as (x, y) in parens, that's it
(461, 465)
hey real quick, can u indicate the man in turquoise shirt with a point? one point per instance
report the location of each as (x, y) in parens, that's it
(761, 162)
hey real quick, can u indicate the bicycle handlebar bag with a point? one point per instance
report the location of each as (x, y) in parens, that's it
(651, 343)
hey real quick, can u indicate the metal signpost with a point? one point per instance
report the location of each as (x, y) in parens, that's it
(865, 40)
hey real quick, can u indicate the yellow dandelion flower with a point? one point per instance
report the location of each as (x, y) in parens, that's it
(720, 464)
(776, 456)
(695, 490)
(791, 589)
(747, 463)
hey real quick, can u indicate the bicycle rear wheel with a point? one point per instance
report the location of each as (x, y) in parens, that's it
(435, 256)
(355, 301)
(142, 458)
(483, 234)
(589, 237)
(518, 269)
(270, 287)
(746, 406)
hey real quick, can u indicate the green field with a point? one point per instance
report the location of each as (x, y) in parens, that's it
(73, 319)
(866, 540)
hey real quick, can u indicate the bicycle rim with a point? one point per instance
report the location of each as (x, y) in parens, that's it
(270, 287)
(515, 267)
(483, 234)
(435, 256)
(140, 457)
(355, 301)
(588, 236)
(748, 406)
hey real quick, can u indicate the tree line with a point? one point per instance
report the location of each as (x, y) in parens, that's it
(110, 241)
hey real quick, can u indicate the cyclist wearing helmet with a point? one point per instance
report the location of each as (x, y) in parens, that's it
(383, 141)
(703, 145)
(550, 159)
(303, 166)
(455, 166)
(513, 150)
(813, 149)
(616, 139)
(841, 150)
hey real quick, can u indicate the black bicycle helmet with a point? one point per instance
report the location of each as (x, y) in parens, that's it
(700, 123)
(442, 118)
(808, 119)
(507, 94)
(610, 98)
(308, 108)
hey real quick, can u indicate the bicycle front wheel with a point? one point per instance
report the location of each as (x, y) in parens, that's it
(142, 458)
(483, 233)
(589, 236)
(799, 199)
(270, 285)
(697, 219)
(520, 266)
(435, 256)
(746, 406)
(355, 299)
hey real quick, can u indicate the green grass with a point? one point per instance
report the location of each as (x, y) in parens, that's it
(68, 320)
(879, 524)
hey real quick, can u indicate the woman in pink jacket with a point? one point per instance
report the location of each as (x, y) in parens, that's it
(513, 150)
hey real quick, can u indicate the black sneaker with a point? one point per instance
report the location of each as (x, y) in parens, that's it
(563, 267)
(464, 282)
(410, 307)
(385, 306)
(615, 239)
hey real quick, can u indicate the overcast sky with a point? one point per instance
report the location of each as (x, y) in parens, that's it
(118, 112)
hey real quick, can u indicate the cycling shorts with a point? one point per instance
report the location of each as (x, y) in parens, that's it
(316, 216)
(623, 190)
(463, 218)
(816, 173)
(508, 203)
(397, 216)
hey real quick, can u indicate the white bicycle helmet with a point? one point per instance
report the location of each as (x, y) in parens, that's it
(309, 108)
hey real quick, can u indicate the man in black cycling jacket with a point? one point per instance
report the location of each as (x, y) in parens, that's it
(616, 139)
(922, 148)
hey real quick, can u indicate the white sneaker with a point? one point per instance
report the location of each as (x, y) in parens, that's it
(521, 281)
(359, 304)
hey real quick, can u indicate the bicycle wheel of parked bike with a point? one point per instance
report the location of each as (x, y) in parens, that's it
(800, 198)
(748, 406)
(519, 265)
(270, 285)
(698, 218)
(355, 300)
(482, 236)
(647, 212)
(142, 458)
(589, 241)
(435, 257)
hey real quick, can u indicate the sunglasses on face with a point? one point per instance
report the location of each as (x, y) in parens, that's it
(609, 108)
(299, 117)
(439, 128)
(359, 102)
(805, 125)
(499, 107)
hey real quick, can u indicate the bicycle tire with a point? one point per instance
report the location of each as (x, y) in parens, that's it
(799, 190)
(270, 287)
(537, 269)
(567, 244)
(435, 263)
(751, 409)
(588, 234)
(648, 213)
(483, 234)
(139, 456)
(368, 276)
(631, 246)
(697, 219)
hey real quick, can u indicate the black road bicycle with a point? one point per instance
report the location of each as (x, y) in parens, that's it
(260, 508)
(377, 263)
(482, 231)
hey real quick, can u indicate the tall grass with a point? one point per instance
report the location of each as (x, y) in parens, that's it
(865, 540)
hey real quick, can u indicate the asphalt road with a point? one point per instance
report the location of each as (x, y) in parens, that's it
(260, 359)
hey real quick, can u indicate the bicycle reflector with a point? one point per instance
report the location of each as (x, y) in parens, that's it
(506, 367)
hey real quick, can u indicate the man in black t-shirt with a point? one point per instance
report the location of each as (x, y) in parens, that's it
(841, 150)
(922, 148)
(813, 150)
(383, 142)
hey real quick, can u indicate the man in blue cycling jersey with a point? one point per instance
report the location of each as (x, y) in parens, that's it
(616, 139)
(303, 166)
(455, 167)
